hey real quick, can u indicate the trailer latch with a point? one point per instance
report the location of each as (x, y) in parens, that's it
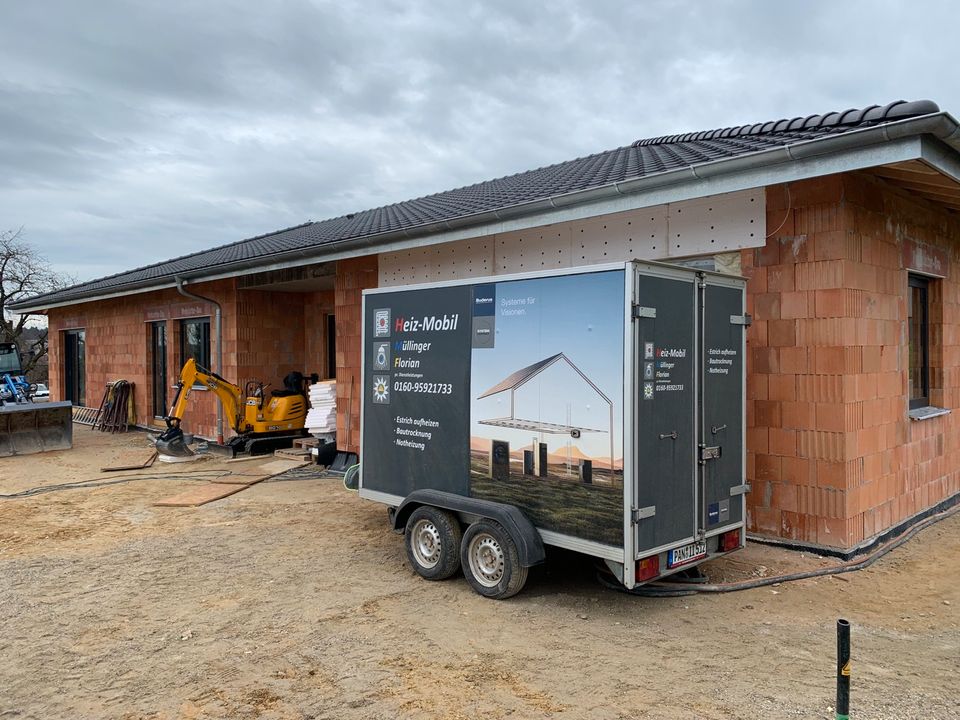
(710, 453)
(739, 489)
(746, 320)
(639, 311)
(639, 514)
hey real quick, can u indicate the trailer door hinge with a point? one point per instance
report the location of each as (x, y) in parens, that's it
(639, 514)
(739, 489)
(639, 311)
(746, 320)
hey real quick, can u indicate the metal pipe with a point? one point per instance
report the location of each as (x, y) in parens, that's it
(843, 670)
(218, 330)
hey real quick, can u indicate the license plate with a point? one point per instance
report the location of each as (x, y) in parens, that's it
(687, 554)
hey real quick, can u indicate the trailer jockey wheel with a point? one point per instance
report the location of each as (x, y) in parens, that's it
(432, 538)
(490, 561)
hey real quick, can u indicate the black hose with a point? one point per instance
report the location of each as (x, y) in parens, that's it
(680, 589)
(117, 480)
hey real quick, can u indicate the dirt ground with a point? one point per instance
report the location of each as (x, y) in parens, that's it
(293, 599)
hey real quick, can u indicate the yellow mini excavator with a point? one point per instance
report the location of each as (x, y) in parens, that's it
(261, 424)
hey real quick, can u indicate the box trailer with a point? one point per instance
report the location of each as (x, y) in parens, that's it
(599, 409)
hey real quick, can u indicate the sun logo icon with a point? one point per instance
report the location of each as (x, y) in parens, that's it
(381, 389)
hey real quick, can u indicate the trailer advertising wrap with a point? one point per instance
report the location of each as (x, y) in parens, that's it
(508, 391)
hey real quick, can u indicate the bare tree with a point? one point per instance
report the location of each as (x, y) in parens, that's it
(24, 273)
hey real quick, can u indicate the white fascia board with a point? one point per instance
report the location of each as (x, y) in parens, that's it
(941, 157)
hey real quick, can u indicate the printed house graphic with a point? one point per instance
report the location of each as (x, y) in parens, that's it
(515, 381)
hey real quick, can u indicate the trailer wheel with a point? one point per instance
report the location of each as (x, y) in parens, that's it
(491, 562)
(432, 539)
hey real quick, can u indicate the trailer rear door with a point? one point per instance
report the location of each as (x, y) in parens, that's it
(665, 331)
(723, 327)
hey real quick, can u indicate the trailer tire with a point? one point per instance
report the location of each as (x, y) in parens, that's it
(432, 538)
(491, 562)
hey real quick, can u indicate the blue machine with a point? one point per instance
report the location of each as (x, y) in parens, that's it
(14, 387)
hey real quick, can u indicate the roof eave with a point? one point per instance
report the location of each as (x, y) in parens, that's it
(699, 181)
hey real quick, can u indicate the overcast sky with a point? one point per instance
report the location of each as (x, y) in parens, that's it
(132, 132)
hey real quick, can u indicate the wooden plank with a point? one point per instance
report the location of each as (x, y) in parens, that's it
(280, 466)
(914, 166)
(200, 495)
(251, 477)
(145, 464)
(912, 178)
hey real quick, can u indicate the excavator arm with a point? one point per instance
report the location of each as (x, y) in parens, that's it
(228, 394)
(170, 442)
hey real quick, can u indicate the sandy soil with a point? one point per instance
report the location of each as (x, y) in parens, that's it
(292, 599)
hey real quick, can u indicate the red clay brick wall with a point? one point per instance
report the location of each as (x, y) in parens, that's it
(353, 276)
(832, 456)
(265, 336)
(270, 337)
(118, 346)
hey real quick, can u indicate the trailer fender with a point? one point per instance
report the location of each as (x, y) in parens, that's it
(524, 534)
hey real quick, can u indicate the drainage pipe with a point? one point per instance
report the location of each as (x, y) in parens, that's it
(218, 330)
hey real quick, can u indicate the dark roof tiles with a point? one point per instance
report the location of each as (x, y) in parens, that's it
(642, 158)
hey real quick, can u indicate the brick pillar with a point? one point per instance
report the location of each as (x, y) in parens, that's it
(805, 374)
(353, 276)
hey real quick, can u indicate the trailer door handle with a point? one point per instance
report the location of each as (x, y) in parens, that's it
(671, 435)
(717, 428)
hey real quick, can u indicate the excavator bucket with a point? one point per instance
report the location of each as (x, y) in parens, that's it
(35, 427)
(171, 447)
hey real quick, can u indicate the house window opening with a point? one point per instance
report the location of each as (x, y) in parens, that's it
(919, 324)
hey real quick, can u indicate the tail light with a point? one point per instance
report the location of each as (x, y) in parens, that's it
(730, 540)
(648, 568)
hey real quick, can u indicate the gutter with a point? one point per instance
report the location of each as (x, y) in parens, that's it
(940, 125)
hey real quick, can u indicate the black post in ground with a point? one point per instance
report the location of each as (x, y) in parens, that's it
(843, 670)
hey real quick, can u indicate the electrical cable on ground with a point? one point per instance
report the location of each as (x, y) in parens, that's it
(678, 589)
(206, 475)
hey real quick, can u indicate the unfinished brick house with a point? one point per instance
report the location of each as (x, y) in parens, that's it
(845, 225)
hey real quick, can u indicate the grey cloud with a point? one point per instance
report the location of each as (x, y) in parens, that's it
(131, 132)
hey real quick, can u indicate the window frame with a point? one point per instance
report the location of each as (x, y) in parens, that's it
(204, 357)
(921, 283)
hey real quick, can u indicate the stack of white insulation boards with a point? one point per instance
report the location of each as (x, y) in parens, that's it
(322, 416)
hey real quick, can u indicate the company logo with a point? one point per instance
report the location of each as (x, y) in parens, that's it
(381, 322)
(381, 389)
(381, 355)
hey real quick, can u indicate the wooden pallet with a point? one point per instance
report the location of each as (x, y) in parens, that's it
(305, 443)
